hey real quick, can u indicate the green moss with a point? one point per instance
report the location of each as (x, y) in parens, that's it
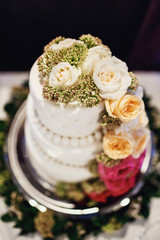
(74, 55)
(93, 167)
(69, 191)
(90, 40)
(54, 41)
(84, 91)
(93, 185)
(106, 160)
(134, 82)
(112, 226)
(108, 122)
(5, 177)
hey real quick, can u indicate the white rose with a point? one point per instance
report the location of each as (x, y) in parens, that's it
(95, 55)
(66, 43)
(63, 74)
(112, 78)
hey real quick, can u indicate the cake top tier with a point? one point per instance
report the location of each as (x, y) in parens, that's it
(83, 70)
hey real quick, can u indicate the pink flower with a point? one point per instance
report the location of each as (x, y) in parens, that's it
(99, 197)
(121, 178)
(119, 187)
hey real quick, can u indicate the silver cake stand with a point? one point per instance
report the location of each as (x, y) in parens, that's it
(41, 197)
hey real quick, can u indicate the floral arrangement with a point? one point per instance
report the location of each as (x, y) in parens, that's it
(71, 68)
(50, 225)
(85, 71)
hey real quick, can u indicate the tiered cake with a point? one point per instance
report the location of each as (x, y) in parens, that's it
(86, 128)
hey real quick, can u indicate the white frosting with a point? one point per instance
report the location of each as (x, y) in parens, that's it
(49, 168)
(65, 120)
(55, 138)
(60, 139)
(73, 150)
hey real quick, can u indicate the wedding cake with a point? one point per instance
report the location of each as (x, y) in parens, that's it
(86, 127)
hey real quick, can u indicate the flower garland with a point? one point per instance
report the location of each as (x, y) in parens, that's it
(84, 91)
(49, 224)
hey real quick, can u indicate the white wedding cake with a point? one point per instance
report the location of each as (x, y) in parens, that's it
(85, 112)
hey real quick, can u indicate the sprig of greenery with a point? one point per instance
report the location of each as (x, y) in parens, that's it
(70, 191)
(54, 41)
(108, 122)
(93, 185)
(107, 161)
(90, 40)
(84, 91)
(134, 82)
(74, 55)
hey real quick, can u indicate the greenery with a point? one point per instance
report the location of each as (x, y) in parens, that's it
(134, 82)
(84, 91)
(108, 122)
(74, 55)
(107, 161)
(49, 224)
(54, 41)
(90, 40)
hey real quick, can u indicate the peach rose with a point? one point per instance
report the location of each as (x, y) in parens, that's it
(126, 108)
(118, 146)
(141, 138)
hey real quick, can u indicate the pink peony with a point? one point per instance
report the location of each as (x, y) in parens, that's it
(121, 178)
(99, 197)
(119, 187)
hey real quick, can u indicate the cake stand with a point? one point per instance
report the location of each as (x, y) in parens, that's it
(37, 192)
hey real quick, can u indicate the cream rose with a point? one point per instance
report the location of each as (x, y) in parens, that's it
(66, 43)
(63, 74)
(141, 138)
(95, 55)
(112, 78)
(126, 108)
(118, 146)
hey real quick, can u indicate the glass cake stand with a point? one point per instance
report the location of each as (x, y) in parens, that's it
(38, 192)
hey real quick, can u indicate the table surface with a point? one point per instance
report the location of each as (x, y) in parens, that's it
(151, 84)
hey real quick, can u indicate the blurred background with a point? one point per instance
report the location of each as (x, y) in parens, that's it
(131, 28)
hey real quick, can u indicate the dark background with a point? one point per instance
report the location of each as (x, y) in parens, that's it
(131, 28)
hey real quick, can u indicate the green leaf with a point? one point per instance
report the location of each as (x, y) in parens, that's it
(73, 233)
(8, 218)
(3, 126)
(10, 109)
(60, 224)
